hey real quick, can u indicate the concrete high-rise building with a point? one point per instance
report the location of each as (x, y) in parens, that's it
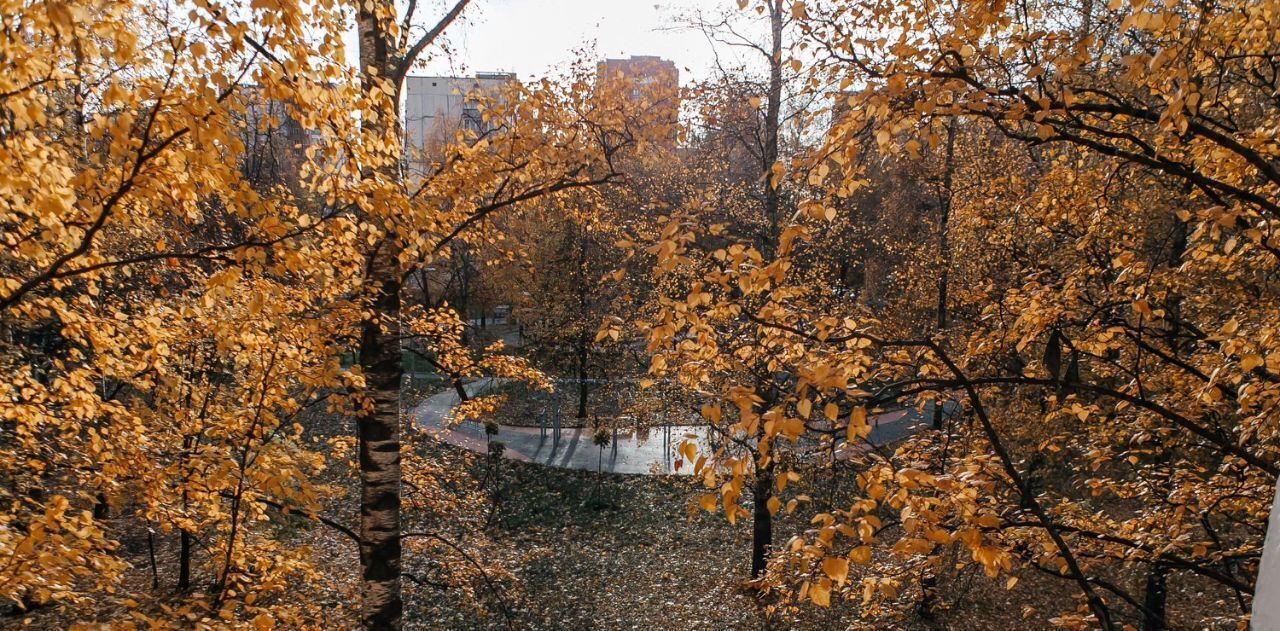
(435, 107)
(650, 80)
(650, 75)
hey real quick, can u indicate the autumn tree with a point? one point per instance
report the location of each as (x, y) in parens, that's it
(173, 312)
(552, 140)
(563, 285)
(733, 217)
(166, 317)
(1107, 344)
(1092, 187)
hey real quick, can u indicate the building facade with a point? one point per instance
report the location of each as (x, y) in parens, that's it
(649, 80)
(435, 107)
(651, 77)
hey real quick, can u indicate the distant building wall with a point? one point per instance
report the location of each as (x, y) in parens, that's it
(434, 107)
(646, 72)
(653, 80)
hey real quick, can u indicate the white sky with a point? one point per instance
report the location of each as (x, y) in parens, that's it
(533, 38)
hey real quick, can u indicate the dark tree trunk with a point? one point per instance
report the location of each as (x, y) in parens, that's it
(184, 560)
(151, 554)
(772, 127)
(378, 428)
(462, 301)
(928, 596)
(583, 387)
(1155, 592)
(184, 537)
(762, 519)
(382, 69)
(944, 251)
(1154, 599)
(378, 424)
(101, 509)
(762, 522)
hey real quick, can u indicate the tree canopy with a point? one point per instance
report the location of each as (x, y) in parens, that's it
(1045, 230)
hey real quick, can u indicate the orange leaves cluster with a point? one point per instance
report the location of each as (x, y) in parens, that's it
(1023, 216)
(168, 317)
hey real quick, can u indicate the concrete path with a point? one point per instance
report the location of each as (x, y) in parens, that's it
(650, 451)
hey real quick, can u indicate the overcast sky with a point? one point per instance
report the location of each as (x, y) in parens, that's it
(535, 37)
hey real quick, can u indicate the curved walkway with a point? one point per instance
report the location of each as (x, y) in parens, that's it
(649, 451)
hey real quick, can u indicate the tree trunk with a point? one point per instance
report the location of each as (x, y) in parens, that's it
(378, 424)
(151, 554)
(1154, 599)
(583, 341)
(1155, 592)
(378, 428)
(101, 509)
(944, 251)
(462, 303)
(928, 596)
(762, 519)
(184, 560)
(762, 523)
(382, 69)
(582, 378)
(772, 127)
(184, 538)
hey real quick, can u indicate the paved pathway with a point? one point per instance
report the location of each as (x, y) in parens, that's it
(643, 451)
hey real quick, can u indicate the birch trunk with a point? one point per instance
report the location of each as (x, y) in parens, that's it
(378, 424)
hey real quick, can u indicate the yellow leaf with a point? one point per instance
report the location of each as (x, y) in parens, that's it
(836, 568)
(731, 508)
(1249, 362)
(688, 450)
(860, 555)
(774, 504)
(858, 427)
(708, 502)
(792, 427)
(820, 593)
(776, 172)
